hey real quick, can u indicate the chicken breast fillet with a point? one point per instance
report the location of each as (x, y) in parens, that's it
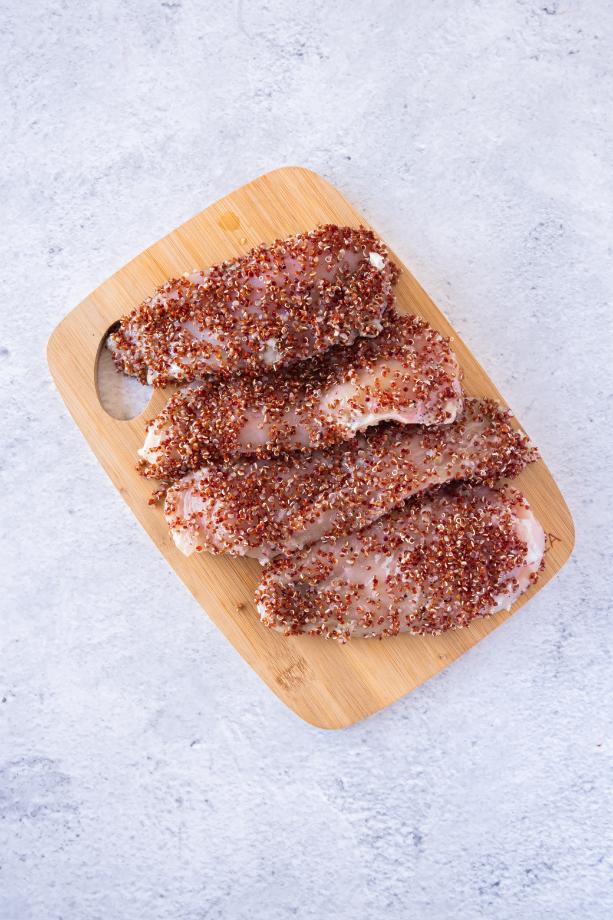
(435, 564)
(280, 303)
(263, 508)
(407, 374)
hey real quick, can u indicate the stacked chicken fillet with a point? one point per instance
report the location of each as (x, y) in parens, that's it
(323, 433)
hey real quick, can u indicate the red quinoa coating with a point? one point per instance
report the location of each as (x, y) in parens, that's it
(263, 508)
(435, 564)
(280, 303)
(408, 373)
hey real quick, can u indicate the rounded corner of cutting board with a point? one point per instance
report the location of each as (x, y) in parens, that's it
(570, 537)
(328, 721)
(332, 725)
(54, 348)
(292, 170)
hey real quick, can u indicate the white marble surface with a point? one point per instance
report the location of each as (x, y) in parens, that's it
(145, 772)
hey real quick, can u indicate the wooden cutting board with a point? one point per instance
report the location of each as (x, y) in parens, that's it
(328, 685)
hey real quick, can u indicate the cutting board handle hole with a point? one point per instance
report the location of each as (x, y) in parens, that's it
(120, 396)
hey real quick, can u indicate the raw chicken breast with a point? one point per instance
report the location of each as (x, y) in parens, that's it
(280, 303)
(435, 564)
(408, 374)
(263, 508)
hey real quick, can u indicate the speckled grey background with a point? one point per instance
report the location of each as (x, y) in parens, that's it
(145, 772)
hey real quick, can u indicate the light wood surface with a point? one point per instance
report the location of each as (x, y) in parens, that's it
(328, 685)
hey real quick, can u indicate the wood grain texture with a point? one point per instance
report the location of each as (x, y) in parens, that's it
(328, 685)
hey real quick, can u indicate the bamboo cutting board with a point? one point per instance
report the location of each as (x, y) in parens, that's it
(328, 685)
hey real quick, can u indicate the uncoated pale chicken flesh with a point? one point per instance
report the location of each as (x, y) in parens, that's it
(263, 508)
(280, 303)
(436, 564)
(407, 374)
